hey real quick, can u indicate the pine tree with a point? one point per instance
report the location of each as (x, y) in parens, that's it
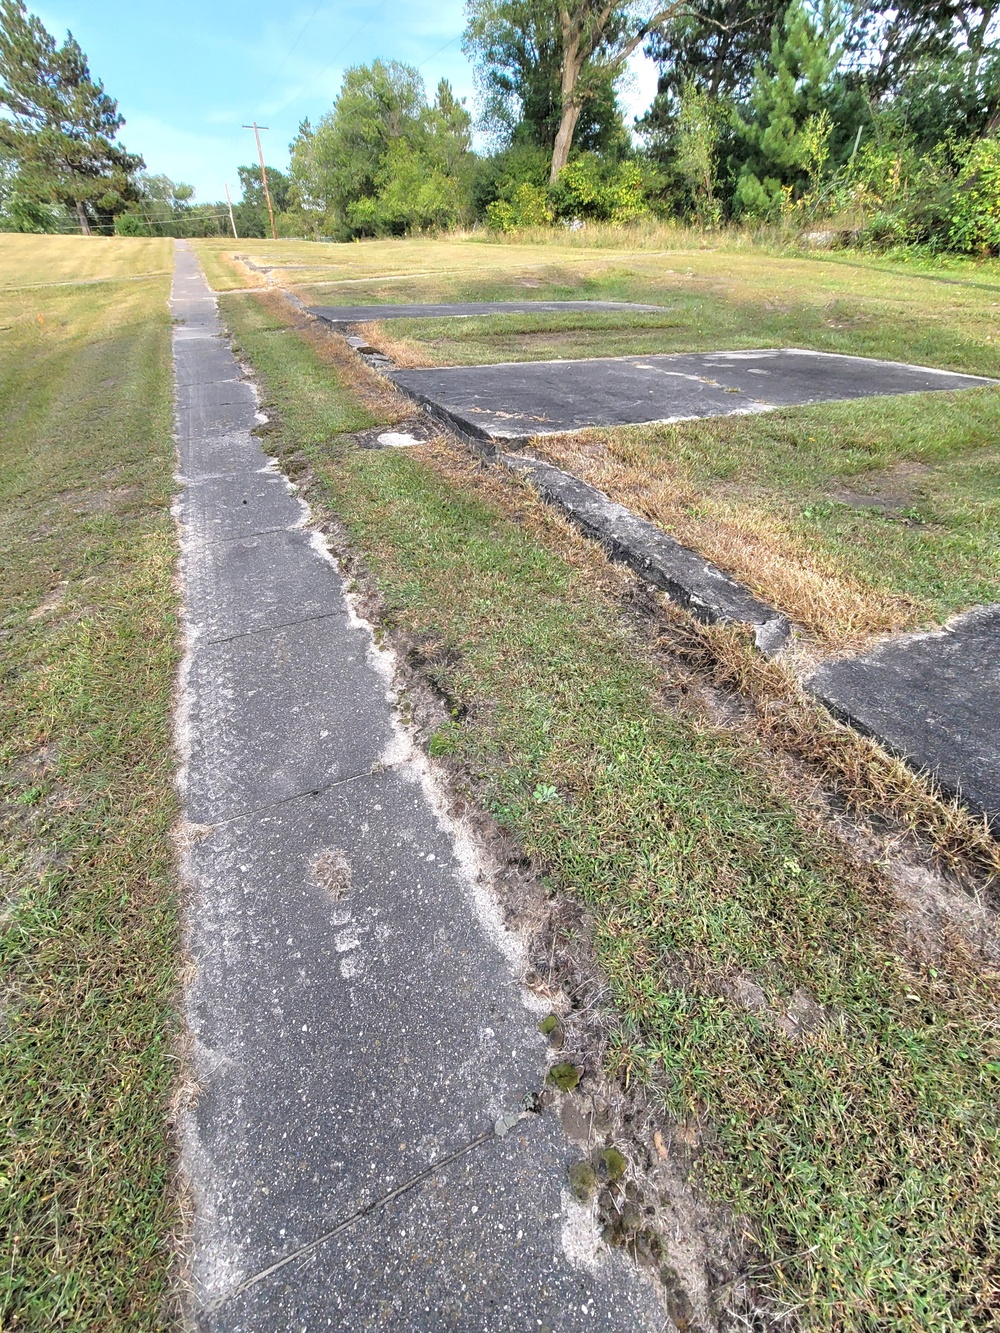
(60, 124)
(788, 106)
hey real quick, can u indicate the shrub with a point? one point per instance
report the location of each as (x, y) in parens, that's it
(527, 206)
(975, 206)
(592, 187)
(131, 224)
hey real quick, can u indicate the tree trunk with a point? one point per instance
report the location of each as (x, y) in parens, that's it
(81, 213)
(564, 139)
(572, 63)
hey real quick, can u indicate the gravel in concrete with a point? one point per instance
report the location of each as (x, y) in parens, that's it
(513, 402)
(935, 700)
(341, 316)
(355, 1016)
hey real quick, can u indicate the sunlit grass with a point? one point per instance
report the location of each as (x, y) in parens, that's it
(87, 925)
(860, 1138)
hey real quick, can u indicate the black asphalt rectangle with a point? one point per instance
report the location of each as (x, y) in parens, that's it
(515, 401)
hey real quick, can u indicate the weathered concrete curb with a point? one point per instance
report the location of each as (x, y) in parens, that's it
(686, 577)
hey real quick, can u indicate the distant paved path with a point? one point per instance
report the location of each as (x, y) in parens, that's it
(341, 315)
(353, 1022)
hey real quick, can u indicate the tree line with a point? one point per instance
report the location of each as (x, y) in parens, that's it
(864, 122)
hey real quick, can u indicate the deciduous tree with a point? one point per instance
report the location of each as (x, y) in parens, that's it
(588, 40)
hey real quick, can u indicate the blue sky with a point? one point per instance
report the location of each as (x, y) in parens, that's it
(188, 74)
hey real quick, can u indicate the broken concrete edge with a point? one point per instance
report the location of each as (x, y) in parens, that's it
(822, 685)
(686, 577)
(947, 788)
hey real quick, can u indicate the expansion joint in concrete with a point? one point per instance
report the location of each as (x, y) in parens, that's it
(269, 629)
(360, 1214)
(303, 795)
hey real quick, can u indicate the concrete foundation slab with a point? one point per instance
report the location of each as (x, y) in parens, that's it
(934, 699)
(517, 401)
(345, 315)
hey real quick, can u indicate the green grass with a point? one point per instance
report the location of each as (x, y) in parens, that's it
(782, 501)
(88, 931)
(864, 1151)
(855, 518)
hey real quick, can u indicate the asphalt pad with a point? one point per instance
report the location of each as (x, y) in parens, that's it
(515, 401)
(345, 315)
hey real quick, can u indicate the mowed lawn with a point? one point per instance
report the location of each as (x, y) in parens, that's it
(820, 1040)
(89, 639)
(856, 519)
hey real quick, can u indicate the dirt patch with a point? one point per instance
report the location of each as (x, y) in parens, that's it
(886, 504)
(108, 501)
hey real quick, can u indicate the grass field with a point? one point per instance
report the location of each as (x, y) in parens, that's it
(87, 921)
(831, 1062)
(856, 519)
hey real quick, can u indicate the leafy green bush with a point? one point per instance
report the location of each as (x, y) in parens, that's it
(527, 206)
(131, 224)
(606, 191)
(975, 209)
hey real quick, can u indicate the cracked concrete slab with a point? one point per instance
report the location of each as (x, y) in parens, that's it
(221, 506)
(216, 407)
(933, 699)
(277, 712)
(268, 573)
(515, 401)
(357, 1024)
(344, 316)
(210, 455)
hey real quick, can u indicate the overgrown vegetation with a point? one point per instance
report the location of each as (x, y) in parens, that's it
(839, 122)
(87, 915)
(834, 1062)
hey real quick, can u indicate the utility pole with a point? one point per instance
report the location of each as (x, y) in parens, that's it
(263, 174)
(232, 220)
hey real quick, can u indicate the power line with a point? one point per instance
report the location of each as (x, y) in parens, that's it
(439, 50)
(295, 44)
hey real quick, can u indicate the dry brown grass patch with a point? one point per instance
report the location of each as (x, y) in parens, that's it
(834, 608)
(402, 351)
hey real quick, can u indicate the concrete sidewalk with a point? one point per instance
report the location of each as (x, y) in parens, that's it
(357, 1025)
